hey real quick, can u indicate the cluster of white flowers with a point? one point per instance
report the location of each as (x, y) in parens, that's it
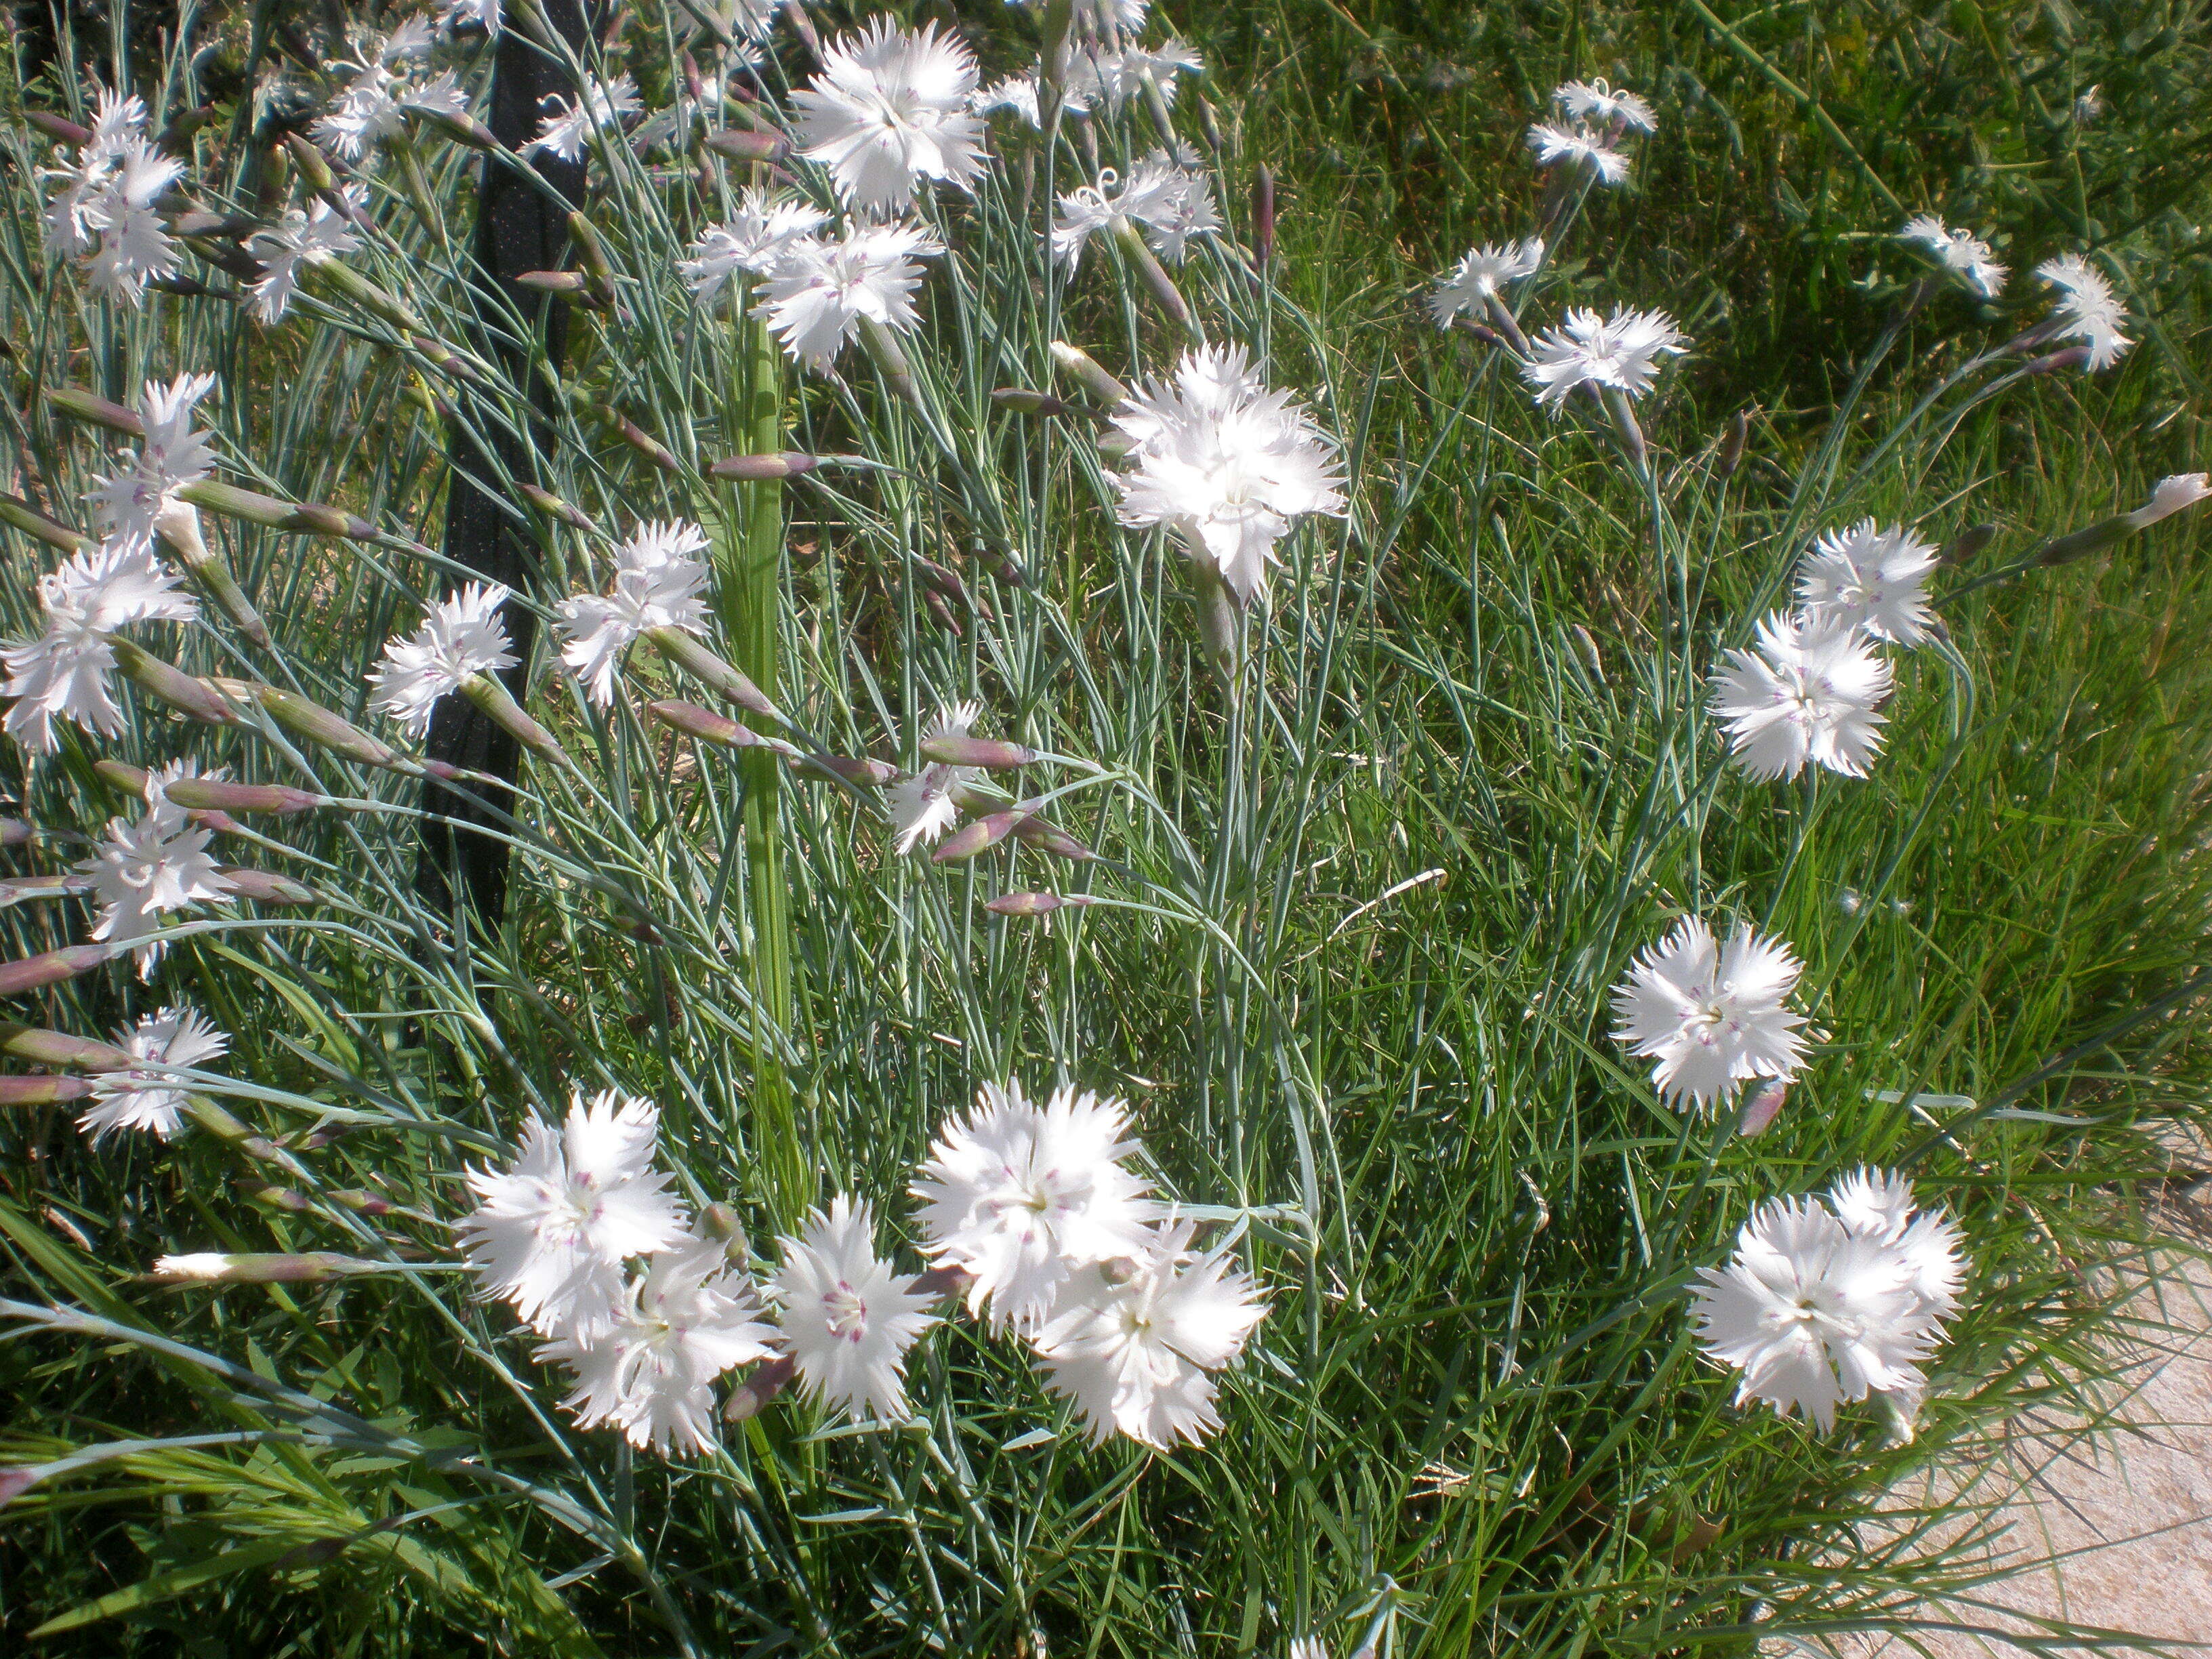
(106, 205)
(1961, 252)
(1225, 464)
(1029, 1211)
(1596, 119)
(1824, 1304)
(388, 76)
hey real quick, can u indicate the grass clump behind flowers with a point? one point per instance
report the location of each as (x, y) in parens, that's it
(1192, 962)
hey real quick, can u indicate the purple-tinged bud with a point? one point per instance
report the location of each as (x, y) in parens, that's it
(178, 525)
(48, 968)
(172, 685)
(860, 773)
(1969, 542)
(1034, 831)
(1023, 401)
(301, 518)
(288, 1200)
(934, 603)
(313, 723)
(746, 146)
(33, 523)
(979, 836)
(695, 84)
(78, 404)
(267, 886)
(1085, 370)
(216, 795)
(711, 727)
(2052, 363)
(462, 129)
(1035, 904)
(43, 1047)
(179, 132)
(61, 127)
(13, 832)
(987, 752)
(554, 281)
(590, 248)
(41, 1091)
(1263, 215)
(644, 442)
(17, 890)
(690, 653)
(764, 468)
(770, 1377)
(371, 1205)
(1732, 446)
(554, 507)
(1116, 446)
(1764, 1107)
(942, 1282)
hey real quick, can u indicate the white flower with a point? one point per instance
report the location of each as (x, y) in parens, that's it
(1225, 462)
(1577, 146)
(1171, 204)
(1017, 92)
(383, 87)
(550, 1233)
(1960, 251)
(457, 15)
(819, 292)
(1019, 1197)
(1136, 65)
(298, 242)
(142, 871)
(1710, 1016)
(1480, 275)
(1810, 693)
(684, 1321)
(147, 1096)
(922, 805)
(134, 245)
(1879, 1205)
(1133, 1347)
(64, 671)
(1872, 1201)
(1597, 103)
(846, 1319)
(1813, 1314)
(2172, 496)
(462, 636)
(891, 107)
(752, 240)
(601, 109)
(2086, 309)
(657, 585)
(71, 228)
(1868, 578)
(1620, 351)
(171, 455)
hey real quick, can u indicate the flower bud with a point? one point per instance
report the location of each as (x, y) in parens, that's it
(20, 889)
(462, 129)
(492, 696)
(58, 126)
(59, 1048)
(941, 1282)
(643, 441)
(1023, 401)
(554, 507)
(2052, 363)
(690, 653)
(764, 468)
(41, 1091)
(1732, 446)
(1087, 373)
(705, 724)
(2103, 534)
(313, 723)
(1764, 1107)
(178, 525)
(48, 968)
(746, 146)
(267, 886)
(371, 1205)
(171, 684)
(976, 837)
(1139, 254)
(1969, 542)
(289, 1201)
(301, 518)
(768, 1378)
(22, 516)
(1034, 831)
(975, 751)
(218, 795)
(78, 404)
(1263, 215)
(1035, 904)
(554, 281)
(13, 832)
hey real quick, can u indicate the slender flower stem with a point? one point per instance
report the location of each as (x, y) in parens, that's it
(749, 552)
